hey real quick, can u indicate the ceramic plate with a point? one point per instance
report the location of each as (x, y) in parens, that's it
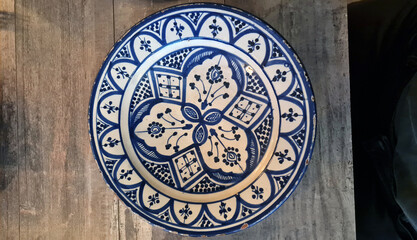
(202, 119)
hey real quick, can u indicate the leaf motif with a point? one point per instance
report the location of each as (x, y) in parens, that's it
(200, 134)
(191, 113)
(212, 117)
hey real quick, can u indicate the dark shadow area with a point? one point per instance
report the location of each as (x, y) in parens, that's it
(6, 19)
(383, 60)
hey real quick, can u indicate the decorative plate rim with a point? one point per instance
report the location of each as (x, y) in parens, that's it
(277, 203)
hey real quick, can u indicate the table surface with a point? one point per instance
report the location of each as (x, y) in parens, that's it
(50, 185)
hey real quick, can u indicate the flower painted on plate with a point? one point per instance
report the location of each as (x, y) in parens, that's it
(215, 28)
(110, 107)
(153, 199)
(224, 209)
(254, 45)
(111, 142)
(171, 127)
(185, 212)
(257, 192)
(178, 28)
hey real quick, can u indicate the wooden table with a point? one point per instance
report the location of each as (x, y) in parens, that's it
(50, 185)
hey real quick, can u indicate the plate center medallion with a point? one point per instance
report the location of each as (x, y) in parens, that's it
(197, 135)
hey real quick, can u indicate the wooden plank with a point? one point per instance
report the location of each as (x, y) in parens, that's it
(101, 211)
(59, 49)
(9, 169)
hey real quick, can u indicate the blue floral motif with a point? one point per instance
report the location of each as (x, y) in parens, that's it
(145, 44)
(111, 142)
(280, 76)
(185, 212)
(125, 174)
(257, 192)
(283, 156)
(156, 129)
(110, 108)
(121, 72)
(178, 28)
(214, 74)
(224, 209)
(254, 45)
(153, 199)
(215, 28)
(291, 115)
(231, 156)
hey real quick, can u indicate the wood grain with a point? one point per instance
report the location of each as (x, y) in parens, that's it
(60, 193)
(50, 186)
(9, 169)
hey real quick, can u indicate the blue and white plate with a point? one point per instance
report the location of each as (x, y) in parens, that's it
(202, 119)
